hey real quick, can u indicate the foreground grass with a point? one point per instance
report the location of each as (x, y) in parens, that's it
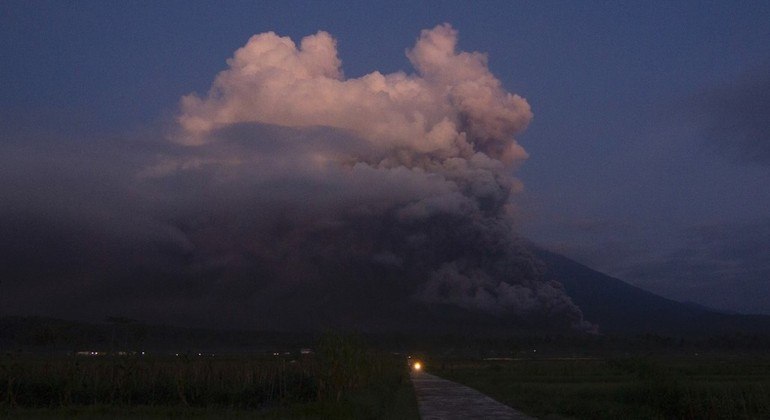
(634, 388)
(390, 403)
(343, 379)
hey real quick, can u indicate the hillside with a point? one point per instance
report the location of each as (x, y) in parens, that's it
(620, 308)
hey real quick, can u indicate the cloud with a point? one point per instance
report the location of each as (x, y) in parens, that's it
(723, 265)
(734, 118)
(289, 189)
(453, 107)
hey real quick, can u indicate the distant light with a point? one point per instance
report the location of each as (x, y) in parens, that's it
(417, 366)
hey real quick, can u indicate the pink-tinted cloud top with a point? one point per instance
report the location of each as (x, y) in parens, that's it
(453, 107)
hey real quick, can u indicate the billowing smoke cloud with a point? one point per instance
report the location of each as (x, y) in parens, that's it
(413, 171)
(290, 186)
(454, 107)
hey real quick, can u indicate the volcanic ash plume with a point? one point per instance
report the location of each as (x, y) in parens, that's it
(289, 197)
(399, 183)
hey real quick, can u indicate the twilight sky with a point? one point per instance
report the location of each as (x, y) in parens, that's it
(646, 154)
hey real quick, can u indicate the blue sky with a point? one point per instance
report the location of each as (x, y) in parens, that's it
(649, 148)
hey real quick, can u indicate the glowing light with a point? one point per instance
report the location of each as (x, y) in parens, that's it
(417, 366)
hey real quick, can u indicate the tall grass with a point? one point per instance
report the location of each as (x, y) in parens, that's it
(341, 371)
(633, 388)
(185, 380)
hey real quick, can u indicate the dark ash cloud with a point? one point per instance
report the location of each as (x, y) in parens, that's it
(735, 118)
(724, 266)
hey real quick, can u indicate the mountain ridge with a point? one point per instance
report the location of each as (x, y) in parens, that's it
(620, 308)
(385, 307)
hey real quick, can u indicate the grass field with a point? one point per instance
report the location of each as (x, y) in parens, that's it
(342, 379)
(345, 378)
(692, 387)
